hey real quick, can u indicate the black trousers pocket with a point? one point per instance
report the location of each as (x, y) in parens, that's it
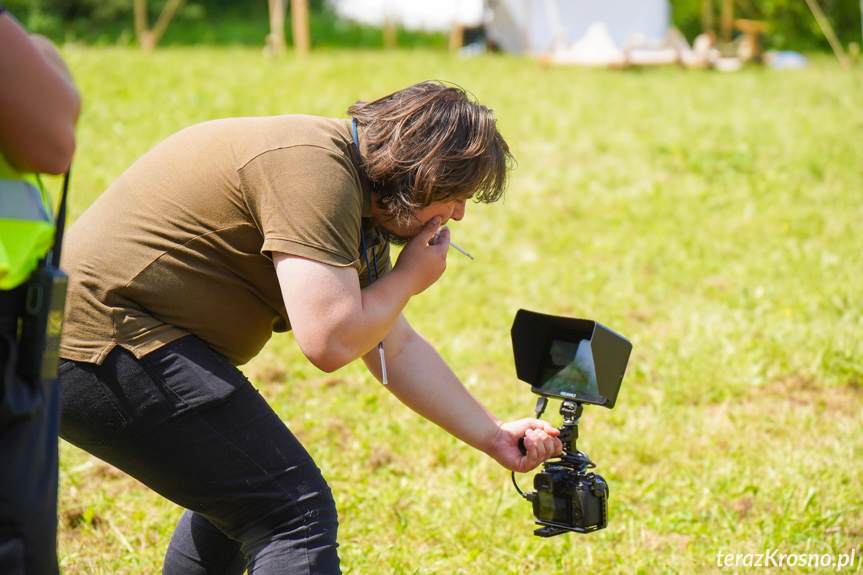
(88, 415)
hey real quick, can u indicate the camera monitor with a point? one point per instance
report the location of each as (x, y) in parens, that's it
(568, 358)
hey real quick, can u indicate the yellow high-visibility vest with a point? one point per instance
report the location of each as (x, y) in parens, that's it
(26, 225)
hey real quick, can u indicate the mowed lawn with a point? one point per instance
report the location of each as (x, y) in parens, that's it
(712, 219)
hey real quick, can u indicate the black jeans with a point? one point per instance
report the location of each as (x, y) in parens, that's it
(185, 422)
(29, 415)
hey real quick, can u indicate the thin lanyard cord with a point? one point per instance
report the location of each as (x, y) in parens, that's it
(362, 232)
(374, 258)
(366, 251)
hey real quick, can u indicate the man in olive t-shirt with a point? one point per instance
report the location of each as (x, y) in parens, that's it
(231, 230)
(181, 243)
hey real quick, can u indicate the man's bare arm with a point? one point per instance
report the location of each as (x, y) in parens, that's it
(420, 378)
(336, 322)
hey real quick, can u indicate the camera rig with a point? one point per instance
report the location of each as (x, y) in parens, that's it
(578, 361)
(566, 497)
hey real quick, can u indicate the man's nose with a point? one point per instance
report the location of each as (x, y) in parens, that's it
(458, 212)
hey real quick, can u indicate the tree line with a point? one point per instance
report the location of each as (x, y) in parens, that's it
(790, 23)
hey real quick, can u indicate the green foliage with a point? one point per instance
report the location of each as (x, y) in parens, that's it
(210, 22)
(791, 25)
(225, 22)
(712, 219)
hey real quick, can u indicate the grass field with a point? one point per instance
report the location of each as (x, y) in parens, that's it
(712, 219)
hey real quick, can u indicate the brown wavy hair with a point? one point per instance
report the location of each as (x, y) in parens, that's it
(431, 142)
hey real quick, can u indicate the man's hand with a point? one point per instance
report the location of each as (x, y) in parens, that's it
(423, 259)
(540, 441)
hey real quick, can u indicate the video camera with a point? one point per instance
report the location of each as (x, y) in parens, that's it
(577, 361)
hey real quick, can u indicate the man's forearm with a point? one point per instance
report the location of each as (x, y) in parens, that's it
(422, 380)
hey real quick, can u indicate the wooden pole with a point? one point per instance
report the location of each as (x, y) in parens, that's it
(456, 30)
(827, 29)
(140, 19)
(165, 17)
(276, 37)
(707, 23)
(456, 37)
(391, 35)
(727, 21)
(300, 26)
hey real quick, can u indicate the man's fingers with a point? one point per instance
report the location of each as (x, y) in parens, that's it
(541, 441)
(432, 225)
(440, 235)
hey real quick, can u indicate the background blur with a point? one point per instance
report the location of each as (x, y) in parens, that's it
(791, 24)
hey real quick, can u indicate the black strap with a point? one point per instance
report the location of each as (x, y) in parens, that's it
(362, 231)
(356, 142)
(61, 222)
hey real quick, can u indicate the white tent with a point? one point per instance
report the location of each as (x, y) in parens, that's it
(592, 32)
(412, 14)
(577, 31)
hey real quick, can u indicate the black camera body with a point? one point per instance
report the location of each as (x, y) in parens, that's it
(569, 500)
(580, 362)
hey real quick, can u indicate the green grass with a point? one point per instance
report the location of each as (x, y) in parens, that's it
(712, 219)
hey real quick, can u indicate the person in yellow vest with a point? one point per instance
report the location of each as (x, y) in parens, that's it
(39, 106)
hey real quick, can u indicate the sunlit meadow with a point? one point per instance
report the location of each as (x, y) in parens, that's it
(713, 219)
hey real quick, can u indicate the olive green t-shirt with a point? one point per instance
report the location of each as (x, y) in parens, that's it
(181, 243)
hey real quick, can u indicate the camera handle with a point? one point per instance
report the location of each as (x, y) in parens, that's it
(571, 456)
(571, 413)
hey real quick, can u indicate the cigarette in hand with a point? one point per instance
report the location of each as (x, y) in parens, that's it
(455, 245)
(459, 248)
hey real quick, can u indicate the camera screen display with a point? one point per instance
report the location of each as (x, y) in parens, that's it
(552, 503)
(569, 372)
(553, 508)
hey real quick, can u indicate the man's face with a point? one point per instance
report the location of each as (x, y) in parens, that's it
(400, 235)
